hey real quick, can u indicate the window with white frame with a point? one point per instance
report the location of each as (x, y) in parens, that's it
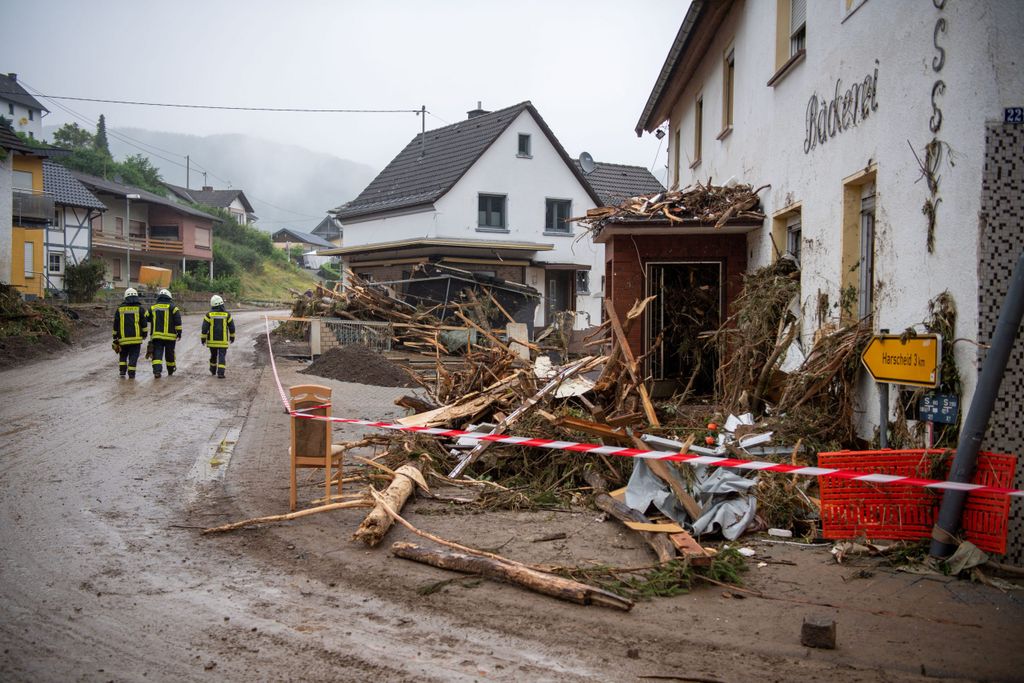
(22, 180)
(524, 145)
(491, 212)
(55, 263)
(583, 282)
(30, 257)
(728, 89)
(698, 131)
(556, 216)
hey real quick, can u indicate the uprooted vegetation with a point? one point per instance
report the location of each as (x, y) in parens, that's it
(783, 393)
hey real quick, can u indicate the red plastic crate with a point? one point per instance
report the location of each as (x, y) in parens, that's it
(854, 509)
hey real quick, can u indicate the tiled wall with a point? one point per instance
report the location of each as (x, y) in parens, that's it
(1002, 239)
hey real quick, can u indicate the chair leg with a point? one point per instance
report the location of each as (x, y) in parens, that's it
(293, 496)
(327, 482)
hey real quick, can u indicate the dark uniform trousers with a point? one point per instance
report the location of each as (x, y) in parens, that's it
(128, 358)
(218, 361)
(163, 353)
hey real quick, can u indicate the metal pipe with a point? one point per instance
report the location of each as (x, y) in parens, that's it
(883, 410)
(976, 422)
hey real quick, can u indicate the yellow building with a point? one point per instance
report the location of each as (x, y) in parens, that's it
(30, 211)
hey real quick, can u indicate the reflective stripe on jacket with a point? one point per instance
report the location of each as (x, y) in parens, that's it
(218, 329)
(165, 319)
(130, 323)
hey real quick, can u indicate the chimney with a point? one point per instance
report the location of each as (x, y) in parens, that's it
(13, 77)
(207, 188)
(476, 112)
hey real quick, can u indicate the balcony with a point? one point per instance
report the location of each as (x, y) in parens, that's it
(29, 206)
(139, 245)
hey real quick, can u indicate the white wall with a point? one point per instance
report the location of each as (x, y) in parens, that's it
(20, 118)
(71, 238)
(6, 220)
(982, 73)
(527, 183)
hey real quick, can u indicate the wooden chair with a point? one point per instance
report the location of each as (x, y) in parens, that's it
(311, 439)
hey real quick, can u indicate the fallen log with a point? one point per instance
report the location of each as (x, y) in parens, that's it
(415, 404)
(514, 573)
(661, 545)
(363, 503)
(378, 521)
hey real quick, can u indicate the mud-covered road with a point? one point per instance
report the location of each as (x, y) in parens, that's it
(104, 484)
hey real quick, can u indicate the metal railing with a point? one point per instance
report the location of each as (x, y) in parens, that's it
(374, 335)
(32, 205)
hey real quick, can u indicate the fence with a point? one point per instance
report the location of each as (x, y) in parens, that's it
(373, 335)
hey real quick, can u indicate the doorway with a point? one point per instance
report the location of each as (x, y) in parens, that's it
(558, 293)
(687, 307)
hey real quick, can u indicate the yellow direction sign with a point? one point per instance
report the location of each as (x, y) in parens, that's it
(914, 361)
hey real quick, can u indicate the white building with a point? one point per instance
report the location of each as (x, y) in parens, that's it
(490, 194)
(22, 111)
(889, 135)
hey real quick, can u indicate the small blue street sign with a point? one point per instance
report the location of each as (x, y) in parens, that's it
(941, 408)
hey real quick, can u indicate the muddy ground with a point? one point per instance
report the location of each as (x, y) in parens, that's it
(105, 484)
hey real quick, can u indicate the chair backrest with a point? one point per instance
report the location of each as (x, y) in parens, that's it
(311, 438)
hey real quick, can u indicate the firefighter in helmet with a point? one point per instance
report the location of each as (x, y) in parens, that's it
(131, 321)
(165, 324)
(217, 333)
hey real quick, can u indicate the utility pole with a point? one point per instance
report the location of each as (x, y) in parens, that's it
(423, 130)
(188, 170)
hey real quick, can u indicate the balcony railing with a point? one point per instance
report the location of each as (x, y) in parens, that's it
(31, 205)
(151, 245)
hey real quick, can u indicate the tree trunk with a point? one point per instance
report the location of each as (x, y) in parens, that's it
(540, 582)
(658, 542)
(376, 525)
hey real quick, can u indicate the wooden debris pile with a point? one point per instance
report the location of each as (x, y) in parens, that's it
(707, 204)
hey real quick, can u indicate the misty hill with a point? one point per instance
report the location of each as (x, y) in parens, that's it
(288, 185)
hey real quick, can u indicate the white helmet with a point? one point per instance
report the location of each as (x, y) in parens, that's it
(130, 292)
(164, 292)
(216, 300)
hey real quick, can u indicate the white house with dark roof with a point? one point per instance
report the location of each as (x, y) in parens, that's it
(232, 201)
(21, 109)
(492, 195)
(68, 239)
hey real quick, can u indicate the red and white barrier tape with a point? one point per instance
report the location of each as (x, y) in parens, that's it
(273, 365)
(710, 460)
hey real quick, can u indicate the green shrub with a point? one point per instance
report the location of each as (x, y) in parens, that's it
(84, 280)
(190, 282)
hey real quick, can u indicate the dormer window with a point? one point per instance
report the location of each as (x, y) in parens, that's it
(524, 145)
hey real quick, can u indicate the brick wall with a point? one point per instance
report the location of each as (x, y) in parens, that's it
(627, 257)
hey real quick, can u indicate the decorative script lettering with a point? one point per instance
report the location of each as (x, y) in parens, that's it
(827, 117)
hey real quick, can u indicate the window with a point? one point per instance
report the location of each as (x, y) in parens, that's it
(794, 236)
(797, 26)
(119, 226)
(556, 216)
(10, 108)
(115, 269)
(56, 263)
(164, 232)
(524, 145)
(583, 282)
(30, 255)
(137, 228)
(58, 219)
(97, 223)
(865, 295)
(491, 212)
(202, 238)
(22, 180)
(728, 89)
(31, 114)
(698, 130)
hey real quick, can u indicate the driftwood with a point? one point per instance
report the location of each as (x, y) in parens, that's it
(415, 404)
(514, 573)
(377, 522)
(361, 503)
(659, 543)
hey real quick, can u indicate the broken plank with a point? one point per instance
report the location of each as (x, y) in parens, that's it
(690, 549)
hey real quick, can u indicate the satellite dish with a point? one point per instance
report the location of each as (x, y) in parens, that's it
(587, 163)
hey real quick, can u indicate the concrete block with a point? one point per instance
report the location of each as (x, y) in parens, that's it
(819, 631)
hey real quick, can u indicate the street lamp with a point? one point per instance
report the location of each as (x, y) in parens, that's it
(128, 233)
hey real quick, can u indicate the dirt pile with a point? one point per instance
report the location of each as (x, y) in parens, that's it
(357, 363)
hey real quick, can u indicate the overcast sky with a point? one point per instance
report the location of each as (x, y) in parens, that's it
(588, 66)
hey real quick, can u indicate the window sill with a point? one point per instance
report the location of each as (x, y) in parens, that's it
(695, 164)
(550, 233)
(486, 229)
(724, 134)
(787, 66)
(524, 156)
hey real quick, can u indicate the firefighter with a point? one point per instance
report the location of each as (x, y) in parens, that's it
(165, 325)
(131, 321)
(217, 333)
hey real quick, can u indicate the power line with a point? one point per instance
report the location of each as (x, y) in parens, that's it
(291, 110)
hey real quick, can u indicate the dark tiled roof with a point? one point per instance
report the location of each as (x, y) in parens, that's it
(66, 189)
(218, 199)
(102, 186)
(289, 235)
(427, 169)
(12, 91)
(614, 183)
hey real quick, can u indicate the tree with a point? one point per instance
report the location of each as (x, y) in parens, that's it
(138, 170)
(101, 136)
(73, 136)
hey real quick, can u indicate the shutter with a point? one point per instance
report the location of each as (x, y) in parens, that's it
(797, 15)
